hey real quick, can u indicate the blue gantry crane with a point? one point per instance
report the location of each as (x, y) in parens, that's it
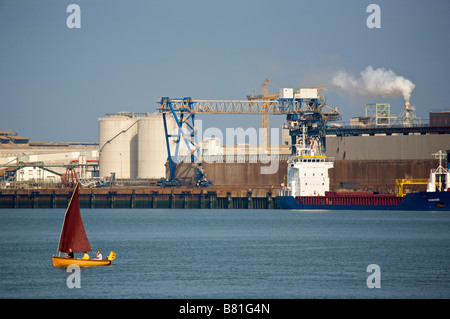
(183, 112)
(305, 107)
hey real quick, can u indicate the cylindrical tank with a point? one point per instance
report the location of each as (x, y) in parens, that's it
(118, 145)
(152, 148)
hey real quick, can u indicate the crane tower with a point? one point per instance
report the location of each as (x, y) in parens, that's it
(265, 114)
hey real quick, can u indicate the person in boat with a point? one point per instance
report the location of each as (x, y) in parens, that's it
(70, 254)
(99, 255)
(85, 256)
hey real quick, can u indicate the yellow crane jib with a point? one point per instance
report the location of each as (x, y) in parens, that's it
(399, 183)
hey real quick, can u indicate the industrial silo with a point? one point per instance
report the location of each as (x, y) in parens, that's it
(118, 144)
(152, 148)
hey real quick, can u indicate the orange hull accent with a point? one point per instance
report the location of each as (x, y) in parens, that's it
(65, 262)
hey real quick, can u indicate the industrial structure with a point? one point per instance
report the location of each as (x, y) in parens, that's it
(132, 145)
(264, 111)
(138, 153)
(24, 163)
(302, 107)
(305, 108)
(185, 135)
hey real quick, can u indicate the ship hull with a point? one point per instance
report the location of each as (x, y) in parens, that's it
(421, 201)
(65, 262)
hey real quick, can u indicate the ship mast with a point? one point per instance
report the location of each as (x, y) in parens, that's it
(440, 171)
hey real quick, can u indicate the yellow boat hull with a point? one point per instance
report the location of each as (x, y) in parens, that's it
(65, 262)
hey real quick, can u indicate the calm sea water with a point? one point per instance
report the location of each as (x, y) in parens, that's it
(231, 254)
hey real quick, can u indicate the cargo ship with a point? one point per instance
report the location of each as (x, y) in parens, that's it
(307, 187)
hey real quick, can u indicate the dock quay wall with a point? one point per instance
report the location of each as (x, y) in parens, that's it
(176, 197)
(238, 186)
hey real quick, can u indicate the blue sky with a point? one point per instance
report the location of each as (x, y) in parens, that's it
(56, 82)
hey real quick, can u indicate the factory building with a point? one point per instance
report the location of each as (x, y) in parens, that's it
(375, 162)
(43, 163)
(35, 173)
(133, 147)
(386, 148)
(439, 118)
(368, 156)
(11, 137)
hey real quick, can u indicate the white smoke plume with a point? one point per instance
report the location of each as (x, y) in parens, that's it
(375, 82)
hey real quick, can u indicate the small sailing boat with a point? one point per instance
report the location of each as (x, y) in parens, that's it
(73, 236)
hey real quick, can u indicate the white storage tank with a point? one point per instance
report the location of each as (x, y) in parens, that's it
(118, 144)
(152, 148)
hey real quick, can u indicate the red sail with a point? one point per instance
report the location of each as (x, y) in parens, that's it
(73, 234)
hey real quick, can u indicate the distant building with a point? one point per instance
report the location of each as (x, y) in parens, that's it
(11, 137)
(22, 160)
(439, 118)
(35, 173)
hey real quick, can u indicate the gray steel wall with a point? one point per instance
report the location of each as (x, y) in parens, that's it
(395, 147)
(237, 174)
(378, 176)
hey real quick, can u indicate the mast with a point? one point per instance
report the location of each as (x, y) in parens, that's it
(73, 234)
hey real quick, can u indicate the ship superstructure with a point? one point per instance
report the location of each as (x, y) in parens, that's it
(307, 173)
